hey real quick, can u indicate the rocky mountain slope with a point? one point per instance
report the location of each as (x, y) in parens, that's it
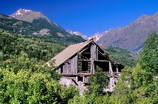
(13, 25)
(28, 15)
(28, 22)
(38, 20)
(132, 36)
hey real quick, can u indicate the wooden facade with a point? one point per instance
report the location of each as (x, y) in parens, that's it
(78, 66)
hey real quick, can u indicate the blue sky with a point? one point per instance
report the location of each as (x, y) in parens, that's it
(86, 16)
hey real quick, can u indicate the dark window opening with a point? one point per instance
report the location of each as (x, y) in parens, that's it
(84, 66)
(101, 57)
(61, 69)
(80, 78)
(102, 66)
(114, 68)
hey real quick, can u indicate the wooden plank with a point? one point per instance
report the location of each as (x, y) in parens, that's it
(78, 74)
(83, 50)
(84, 60)
(97, 53)
(101, 60)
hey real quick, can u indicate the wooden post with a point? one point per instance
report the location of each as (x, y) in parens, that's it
(111, 84)
(75, 64)
(93, 57)
(110, 69)
(112, 78)
(76, 78)
(97, 53)
(117, 70)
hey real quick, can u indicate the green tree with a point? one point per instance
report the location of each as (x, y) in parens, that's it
(98, 82)
(149, 55)
(1, 58)
(25, 87)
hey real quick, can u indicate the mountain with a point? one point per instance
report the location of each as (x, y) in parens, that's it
(13, 25)
(77, 34)
(132, 36)
(96, 36)
(38, 20)
(28, 15)
(32, 23)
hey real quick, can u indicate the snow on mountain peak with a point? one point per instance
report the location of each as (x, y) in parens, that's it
(21, 12)
(27, 15)
(77, 33)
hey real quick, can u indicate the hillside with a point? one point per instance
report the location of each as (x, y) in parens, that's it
(13, 25)
(122, 56)
(38, 26)
(132, 36)
(39, 49)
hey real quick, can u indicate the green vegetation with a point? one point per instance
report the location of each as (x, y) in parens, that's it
(122, 56)
(149, 56)
(137, 85)
(97, 83)
(16, 26)
(32, 85)
(25, 79)
(40, 49)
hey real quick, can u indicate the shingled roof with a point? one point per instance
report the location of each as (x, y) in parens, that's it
(68, 53)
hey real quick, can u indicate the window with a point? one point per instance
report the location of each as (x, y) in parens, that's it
(80, 78)
(84, 66)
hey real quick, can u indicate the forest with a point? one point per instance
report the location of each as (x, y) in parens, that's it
(25, 79)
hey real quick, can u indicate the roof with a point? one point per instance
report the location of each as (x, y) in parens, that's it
(68, 53)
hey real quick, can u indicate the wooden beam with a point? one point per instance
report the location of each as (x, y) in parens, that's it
(84, 60)
(78, 74)
(101, 60)
(86, 52)
(83, 50)
(102, 54)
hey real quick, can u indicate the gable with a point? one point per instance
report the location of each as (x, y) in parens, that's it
(68, 53)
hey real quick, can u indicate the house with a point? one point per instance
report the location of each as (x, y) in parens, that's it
(78, 62)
